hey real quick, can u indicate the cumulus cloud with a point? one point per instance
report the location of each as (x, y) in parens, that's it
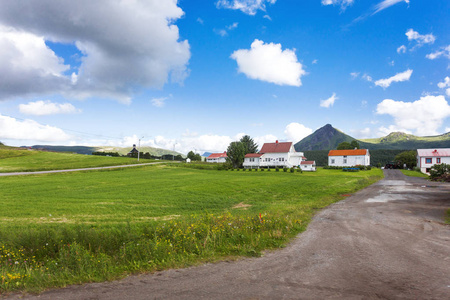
(364, 133)
(268, 62)
(125, 45)
(249, 7)
(424, 116)
(354, 75)
(421, 39)
(445, 85)
(224, 32)
(342, 3)
(296, 132)
(41, 108)
(386, 4)
(445, 52)
(14, 129)
(401, 49)
(328, 102)
(404, 76)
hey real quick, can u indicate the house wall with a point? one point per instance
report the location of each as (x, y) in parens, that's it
(351, 160)
(216, 160)
(424, 166)
(251, 162)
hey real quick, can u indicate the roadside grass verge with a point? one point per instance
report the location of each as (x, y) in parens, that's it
(28, 161)
(447, 219)
(60, 229)
(412, 173)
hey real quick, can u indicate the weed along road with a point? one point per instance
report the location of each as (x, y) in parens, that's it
(387, 241)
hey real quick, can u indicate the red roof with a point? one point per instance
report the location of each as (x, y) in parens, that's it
(217, 155)
(276, 147)
(253, 155)
(348, 152)
(434, 152)
(308, 162)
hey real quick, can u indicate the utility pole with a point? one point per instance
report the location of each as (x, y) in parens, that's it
(139, 147)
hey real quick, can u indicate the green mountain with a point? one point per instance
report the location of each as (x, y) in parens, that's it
(325, 138)
(328, 138)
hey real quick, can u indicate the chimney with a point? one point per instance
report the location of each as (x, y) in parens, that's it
(134, 145)
(276, 142)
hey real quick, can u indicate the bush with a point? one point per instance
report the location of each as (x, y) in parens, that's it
(285, 169)
(440, 172)
(277, 169)
(292, 170)
(300, 170)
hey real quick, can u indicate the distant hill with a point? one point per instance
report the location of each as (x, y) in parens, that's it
(325, 138)
(328, 137)
(89, 150)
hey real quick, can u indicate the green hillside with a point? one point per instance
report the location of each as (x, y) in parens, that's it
(88, 150)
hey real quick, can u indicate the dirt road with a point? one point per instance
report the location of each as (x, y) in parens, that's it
(384, 242)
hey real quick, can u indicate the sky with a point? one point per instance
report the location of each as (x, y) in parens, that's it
(195, 75)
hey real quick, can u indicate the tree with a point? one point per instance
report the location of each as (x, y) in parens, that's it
(344, 146)
(236, 153)
(407, 158)
(249, 144)
(354, 144)
(193, 156)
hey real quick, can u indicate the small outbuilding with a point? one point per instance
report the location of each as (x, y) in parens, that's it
(133, 152)
(308, 165)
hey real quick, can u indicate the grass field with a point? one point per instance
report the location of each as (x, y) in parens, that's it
(59, 229)
(13, 160)
(414, 173)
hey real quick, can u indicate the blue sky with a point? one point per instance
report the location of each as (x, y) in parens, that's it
(196, 75)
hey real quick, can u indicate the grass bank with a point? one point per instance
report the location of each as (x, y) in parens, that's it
(414, 173)
(59, 229)
(13, 160)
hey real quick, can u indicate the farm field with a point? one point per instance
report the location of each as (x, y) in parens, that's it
(13, 160)
(59, 229)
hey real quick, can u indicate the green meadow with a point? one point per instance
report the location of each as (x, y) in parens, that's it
(13, 160)
(67, 228)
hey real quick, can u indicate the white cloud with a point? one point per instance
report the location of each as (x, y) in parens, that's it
(421, 39)
(354, 75)
(384, 131)
(445, 85)
(159, 102)
(224, 32)
(41, 108)
(362, 133)
(268, 62)
(13, 129)
(423, 116)
(401, 49)
(249, 7)
(200, 20)
(367, 77)
(268, 138)
(267, 17)
(296, 132)
(404, 76)
(125, 46)
(328, 102)
(386, 4)
(315, 61)
(342, 3)
(444, 52)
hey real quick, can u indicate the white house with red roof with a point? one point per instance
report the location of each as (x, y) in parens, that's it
(274, 155)
(349, 158)
(217, 157)
(426, 158)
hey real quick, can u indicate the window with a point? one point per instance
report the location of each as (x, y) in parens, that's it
(281, 159)
(428, 160)
(438, 160)
(332, 160)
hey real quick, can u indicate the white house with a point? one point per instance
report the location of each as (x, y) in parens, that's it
(349, 158)
(217, 157)
(426, 158)
(308, 165)
(274, 155)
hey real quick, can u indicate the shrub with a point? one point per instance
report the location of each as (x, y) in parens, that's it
(277, 169)
(285, 169)
(440, 172)
(300, 170)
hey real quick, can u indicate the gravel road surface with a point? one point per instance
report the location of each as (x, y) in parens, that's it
(387, 241)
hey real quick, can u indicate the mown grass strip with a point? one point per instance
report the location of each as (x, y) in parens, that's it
(414, 173)
(61, 229)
